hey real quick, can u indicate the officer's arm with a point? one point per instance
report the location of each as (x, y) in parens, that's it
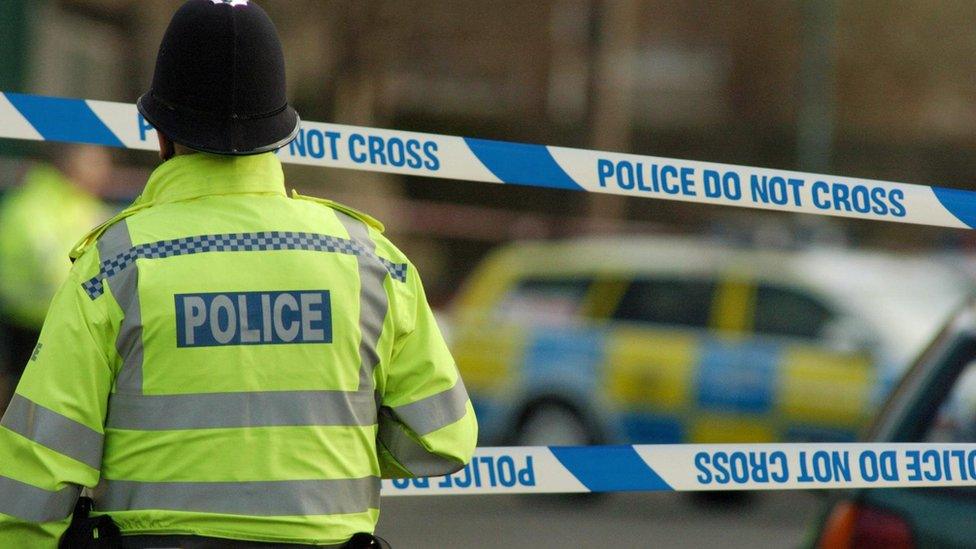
(427, 424)
(51, 434)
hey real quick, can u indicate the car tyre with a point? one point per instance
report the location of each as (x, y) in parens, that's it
(553, 423)
(556, 423)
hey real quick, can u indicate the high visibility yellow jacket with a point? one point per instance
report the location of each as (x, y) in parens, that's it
(38, 224)
(230, 362)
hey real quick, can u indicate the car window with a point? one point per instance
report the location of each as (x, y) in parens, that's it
(783, 311)
(681, 302)
(544, 300)
(956, 419)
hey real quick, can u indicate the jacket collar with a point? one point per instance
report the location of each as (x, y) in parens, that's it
(190, 176)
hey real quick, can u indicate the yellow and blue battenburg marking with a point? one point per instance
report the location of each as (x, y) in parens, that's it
(653, 384)
(36, 117)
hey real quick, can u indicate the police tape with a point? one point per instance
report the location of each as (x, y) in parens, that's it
(704, 467)
(36, 117)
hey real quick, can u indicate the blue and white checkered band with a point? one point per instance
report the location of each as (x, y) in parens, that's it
(235, 242)
(231, 2)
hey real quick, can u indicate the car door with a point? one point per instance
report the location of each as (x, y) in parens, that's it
(815, 391)
(653, 348)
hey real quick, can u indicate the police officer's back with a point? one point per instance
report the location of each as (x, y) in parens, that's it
(227, 361)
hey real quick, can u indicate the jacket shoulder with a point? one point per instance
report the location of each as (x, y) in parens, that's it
(365, 218)
(92, 236)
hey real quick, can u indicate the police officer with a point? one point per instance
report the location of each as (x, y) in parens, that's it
(39, 223)
(228, 366)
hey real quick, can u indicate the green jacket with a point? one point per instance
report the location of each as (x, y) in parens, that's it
(227, 361)
(38, 224)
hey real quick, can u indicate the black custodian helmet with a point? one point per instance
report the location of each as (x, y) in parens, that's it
(219, 84)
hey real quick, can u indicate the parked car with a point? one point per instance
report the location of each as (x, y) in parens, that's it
(670, 340)
(934, 402)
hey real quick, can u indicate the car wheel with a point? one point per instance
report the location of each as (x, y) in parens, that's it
(552, 424)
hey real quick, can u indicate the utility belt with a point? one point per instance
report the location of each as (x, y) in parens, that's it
(101, 532)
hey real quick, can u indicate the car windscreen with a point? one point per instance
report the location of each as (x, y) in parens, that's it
(955, 420)
(945, 352)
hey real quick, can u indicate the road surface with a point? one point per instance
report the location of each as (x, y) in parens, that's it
(772, 519)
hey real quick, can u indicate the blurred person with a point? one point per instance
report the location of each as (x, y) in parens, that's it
(227, 366)
(39, 223)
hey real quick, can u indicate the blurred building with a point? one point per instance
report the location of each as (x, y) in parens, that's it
(870, 88)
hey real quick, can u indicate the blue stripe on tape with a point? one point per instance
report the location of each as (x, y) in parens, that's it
(609, 468)
(68, 120)
(960, 203)
(521, 164)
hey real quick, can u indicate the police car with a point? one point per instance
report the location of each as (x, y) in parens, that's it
(674, 340)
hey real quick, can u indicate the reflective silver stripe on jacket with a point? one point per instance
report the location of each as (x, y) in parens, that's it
(246, 409)
(260, 498)
(125, 288)
(52, 430)
(373, 302)
(30, 503)
(410, 453)
(436, 411)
